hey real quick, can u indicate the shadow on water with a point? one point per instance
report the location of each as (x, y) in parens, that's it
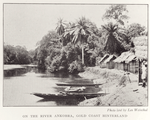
(64, 102)
(59, 75)
(15, 72)
(65, 77)
(19, 71)
(44, 73)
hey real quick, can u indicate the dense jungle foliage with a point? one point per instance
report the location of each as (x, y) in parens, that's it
(71, 46)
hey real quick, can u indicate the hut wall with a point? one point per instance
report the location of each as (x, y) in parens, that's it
(116, 65)
(133, 66)
(136, 66)
(111, 65)
(103, 65)
(121, 66)
(107, 65)
(126, 67)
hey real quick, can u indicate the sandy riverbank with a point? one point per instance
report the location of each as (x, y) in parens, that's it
(123, 90)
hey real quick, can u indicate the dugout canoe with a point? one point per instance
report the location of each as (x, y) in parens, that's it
(77, 84)
(64, 95)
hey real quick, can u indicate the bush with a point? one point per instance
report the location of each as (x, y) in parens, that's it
(75, 67)
(55, 64)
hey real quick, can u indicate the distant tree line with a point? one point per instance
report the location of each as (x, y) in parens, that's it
(16, 55)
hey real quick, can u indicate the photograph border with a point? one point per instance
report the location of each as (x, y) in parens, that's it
(78, 4)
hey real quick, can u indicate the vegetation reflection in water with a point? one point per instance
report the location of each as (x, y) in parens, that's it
(27, 76)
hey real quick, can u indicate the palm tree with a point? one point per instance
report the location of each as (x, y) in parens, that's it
(114, 38)
(63, 29)
(80, 33)
(60, 29)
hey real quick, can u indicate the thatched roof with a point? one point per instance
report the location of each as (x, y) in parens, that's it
(111, 57)
(141, 47)
(125, 57)
(130, 58)
(104, 58)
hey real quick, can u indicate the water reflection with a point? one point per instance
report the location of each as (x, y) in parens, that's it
(64, 102)
(60, 75)
(15, 72)
(33, 80)
(21, 71)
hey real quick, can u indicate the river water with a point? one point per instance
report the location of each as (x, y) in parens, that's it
(20, 83)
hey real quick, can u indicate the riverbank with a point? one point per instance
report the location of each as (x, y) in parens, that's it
(123, 90)
(14, 66)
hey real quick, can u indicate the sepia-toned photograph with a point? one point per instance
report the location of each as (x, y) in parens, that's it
(66, 54)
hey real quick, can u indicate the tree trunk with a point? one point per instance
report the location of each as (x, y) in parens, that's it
(82, 54)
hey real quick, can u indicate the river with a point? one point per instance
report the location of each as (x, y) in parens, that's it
(20, 83)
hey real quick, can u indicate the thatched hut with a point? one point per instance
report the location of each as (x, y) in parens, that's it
(119, 61)
(141, 50)
(109, 61)
(131, 61)
(132, 64)
(102, 61)
(127, 61)
(141, 47)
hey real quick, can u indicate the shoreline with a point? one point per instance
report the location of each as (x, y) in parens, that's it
(16, 66)
(120, 89)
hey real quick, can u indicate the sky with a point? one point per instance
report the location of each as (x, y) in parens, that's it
(26, 24)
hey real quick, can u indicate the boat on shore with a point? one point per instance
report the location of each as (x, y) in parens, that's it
(64, 95)
(77, 84)
(75, 89)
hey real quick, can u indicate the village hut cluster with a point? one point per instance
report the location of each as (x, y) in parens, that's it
(130, 61)
(127, 61)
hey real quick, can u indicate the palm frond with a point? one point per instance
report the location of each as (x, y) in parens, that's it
(60, 29)
(75, 38)
(106, 28)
